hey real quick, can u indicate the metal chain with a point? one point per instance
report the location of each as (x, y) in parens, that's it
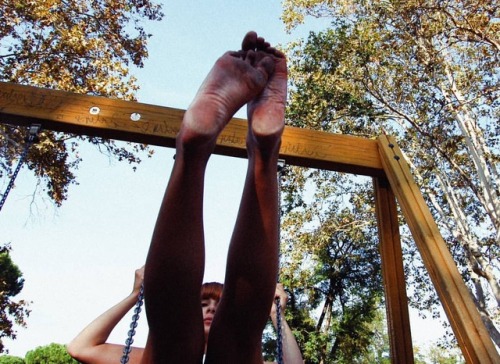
(279, 327)
(279, 333)
(135, 318)
(31, 138)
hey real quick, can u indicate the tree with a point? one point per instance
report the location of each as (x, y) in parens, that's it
(11, 284)
(426, 72)
(79, 46)
(379, 351)
(440, 355)
(330, 264)
(9, 359)
(52, 353)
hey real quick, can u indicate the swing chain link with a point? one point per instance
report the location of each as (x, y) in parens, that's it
(133, 325)
(31, 138)
(279, 333)
(279, 327)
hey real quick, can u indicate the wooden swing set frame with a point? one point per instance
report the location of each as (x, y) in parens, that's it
(380, 159)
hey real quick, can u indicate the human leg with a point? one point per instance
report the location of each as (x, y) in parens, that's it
(252, 263)
(175, 262)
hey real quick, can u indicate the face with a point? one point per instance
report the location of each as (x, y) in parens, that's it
(208, 308)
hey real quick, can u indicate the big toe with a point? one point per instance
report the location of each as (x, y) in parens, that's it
(249, 41)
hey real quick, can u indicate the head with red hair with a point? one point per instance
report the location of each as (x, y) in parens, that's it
(211, 290)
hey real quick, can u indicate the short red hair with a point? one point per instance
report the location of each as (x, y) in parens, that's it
(211, 290)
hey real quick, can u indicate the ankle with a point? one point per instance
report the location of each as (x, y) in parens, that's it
(264, 150)
(268, 144)
(192, 145)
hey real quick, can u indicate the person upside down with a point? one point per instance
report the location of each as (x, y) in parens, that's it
(228, 328)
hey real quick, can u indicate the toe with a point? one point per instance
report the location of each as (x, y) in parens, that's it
(249, 41)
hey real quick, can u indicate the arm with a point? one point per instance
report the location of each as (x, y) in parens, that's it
(291, 351)
(90, 345)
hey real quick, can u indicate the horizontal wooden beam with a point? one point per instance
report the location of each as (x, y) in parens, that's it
(158, 125)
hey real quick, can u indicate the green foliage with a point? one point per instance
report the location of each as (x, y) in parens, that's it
(440, 355)
(378, 350)
(9, 359)
(11, 283)
(83, 47)
(52, 353)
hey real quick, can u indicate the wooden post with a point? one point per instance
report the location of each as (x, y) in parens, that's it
(398, 319)
(464, 317)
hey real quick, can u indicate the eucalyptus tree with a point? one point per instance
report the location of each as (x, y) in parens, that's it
(428, 73)
(80, 46)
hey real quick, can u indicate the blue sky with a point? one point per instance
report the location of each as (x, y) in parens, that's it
(79, 260)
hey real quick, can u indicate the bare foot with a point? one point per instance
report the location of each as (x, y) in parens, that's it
(235, 79)
(266, 112)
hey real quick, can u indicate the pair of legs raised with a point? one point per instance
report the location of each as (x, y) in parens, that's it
(256, 76)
